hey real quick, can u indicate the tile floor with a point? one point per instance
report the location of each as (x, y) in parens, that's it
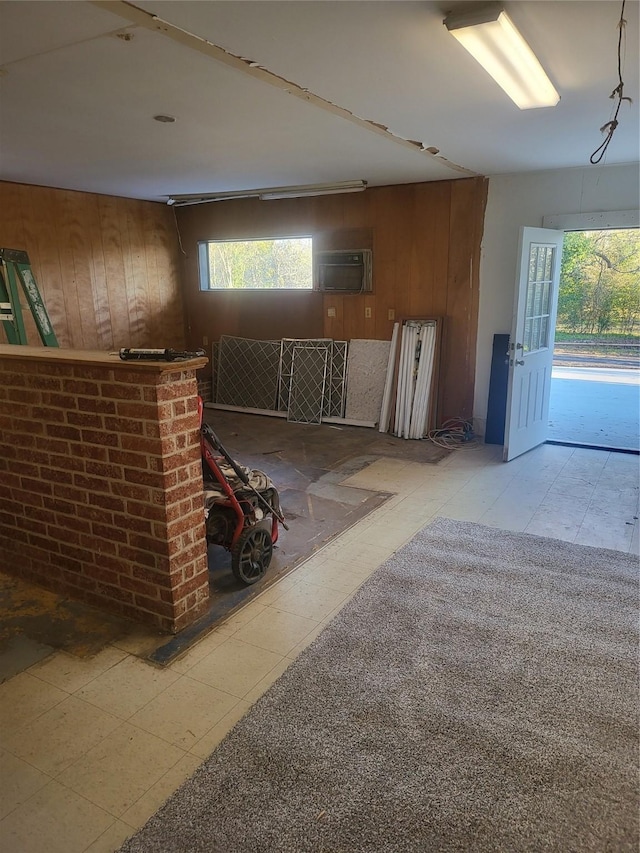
(89, 749)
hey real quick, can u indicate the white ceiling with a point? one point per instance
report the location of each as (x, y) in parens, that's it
(77, 102)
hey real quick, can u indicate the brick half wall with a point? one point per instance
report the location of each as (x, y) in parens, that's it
(101, 483)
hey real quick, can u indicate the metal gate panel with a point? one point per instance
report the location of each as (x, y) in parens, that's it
(248, 373)
(308, 382)
(286, 364)
(336, 386)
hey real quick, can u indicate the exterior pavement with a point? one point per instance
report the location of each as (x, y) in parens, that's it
(595, 405)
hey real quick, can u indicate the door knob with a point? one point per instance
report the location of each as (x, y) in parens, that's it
(519, 362)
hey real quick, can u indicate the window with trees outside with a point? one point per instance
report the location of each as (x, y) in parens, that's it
(284, 263)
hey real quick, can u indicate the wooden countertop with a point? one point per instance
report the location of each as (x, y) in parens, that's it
(93, 358)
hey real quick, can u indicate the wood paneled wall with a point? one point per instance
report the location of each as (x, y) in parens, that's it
(426, 251)
(107, 267)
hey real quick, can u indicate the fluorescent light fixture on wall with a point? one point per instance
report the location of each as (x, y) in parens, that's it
(491, 37)
(272, 193)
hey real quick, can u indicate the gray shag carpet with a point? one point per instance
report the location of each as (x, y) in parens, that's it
(479, 693)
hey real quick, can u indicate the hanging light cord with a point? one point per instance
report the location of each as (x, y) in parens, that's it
(610, 127)
(175, 219)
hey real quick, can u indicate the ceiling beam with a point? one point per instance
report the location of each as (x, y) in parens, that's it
(152, 22)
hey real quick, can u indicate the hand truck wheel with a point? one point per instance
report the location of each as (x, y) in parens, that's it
(251, 555)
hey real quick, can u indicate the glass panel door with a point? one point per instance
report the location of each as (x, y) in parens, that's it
(539, 298)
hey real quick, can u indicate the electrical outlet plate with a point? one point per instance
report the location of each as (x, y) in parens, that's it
(331, 312)
(367, 312)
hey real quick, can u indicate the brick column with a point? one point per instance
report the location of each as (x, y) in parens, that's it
(101, 482)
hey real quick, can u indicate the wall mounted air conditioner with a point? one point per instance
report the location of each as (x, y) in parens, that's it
(343, 271)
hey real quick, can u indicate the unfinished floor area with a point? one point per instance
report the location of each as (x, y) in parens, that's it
(307, 463)
(92, 747)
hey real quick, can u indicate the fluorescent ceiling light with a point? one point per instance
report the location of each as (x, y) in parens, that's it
(272, 193)
(490, 36)
(319, 189)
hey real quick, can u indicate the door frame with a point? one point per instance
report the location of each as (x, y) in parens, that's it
(598, 220)
(601, 221)
(607, 220)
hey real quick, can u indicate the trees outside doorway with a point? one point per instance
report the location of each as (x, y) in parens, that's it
(595, 388)
(600, 284)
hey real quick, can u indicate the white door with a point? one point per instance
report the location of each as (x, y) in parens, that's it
(531, 342)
